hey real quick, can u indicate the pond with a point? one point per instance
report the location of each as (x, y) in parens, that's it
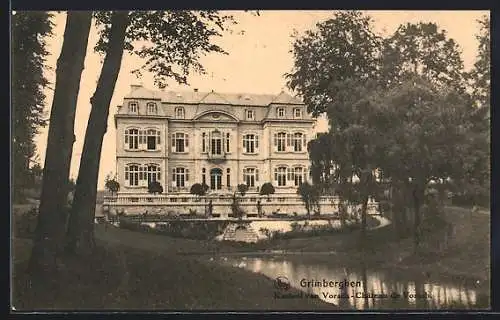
(361, 290)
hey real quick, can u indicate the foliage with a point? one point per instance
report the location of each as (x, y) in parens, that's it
(170, 42)
(112, 185)
(480, 74)
(310, 196)
(198, 189)
(30, 30)
(339, 48)
(155, 187)
(24, 223)
(242, 189)
(267, 189)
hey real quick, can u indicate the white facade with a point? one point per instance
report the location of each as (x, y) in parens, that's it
(182, 138)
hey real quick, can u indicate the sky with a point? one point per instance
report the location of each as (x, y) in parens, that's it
(257, 62)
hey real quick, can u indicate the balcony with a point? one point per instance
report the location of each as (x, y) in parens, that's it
(216, 158)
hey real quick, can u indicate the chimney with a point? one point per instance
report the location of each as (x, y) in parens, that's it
(195, 89)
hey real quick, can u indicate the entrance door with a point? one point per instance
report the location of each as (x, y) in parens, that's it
(216, 179)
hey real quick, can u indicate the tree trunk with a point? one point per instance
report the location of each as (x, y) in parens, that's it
(52, 216)
(81, 229)
(417, 202)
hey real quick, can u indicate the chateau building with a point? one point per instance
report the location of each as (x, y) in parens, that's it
(182, 138)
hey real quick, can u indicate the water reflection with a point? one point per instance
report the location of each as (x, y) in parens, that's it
(382, 290)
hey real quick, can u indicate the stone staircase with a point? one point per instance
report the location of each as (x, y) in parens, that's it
(241, 232)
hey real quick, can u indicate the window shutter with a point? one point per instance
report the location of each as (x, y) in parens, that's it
(173, 175)
(172, 142)
(288, 139)
(158, 175)
(228, 142)
(206, 143)
(126, 175)
(256, 174)
(256, 141)
(304, 144)
(244, 144)
(186, 142)
(126, 136)
(289, 173)
(275, 175)
(275, 140)
(187, 174)
(158, 141)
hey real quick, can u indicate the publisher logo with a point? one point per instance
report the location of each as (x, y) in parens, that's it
(282, 283)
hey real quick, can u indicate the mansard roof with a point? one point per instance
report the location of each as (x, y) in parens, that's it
(196, 97)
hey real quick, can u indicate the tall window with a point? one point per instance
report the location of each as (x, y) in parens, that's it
(250, 115)
(179, 113)
(280, 176)
(298, 141)
(280, 141)
(153, 173)
(132, 139)
(180, 142)
(297, 113)
(133, 107)
(228, 177)
(180, 176)
(203, 142)
(280, 112)
(298, 176)
(216, 143)
(250, 143)
(203, 176)
(152, 139)
(228, 139)
(132, 174)
(152, 108)
(250, 175)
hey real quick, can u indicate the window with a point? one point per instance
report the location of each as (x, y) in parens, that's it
(132, 139)
(203, 142)
(180, 176)
(298, 141)
(203, 176)
(180, 142)
(132, 174)
(133, 107)
(280, 112)
(152, 108)
(228, 178)
(299, 176)
(279, 141)
(280, 176)
(153, 139)
(250, 143)
(250, 115)
(297, 113)
(228, 138)
(179, 113)
(250, 176)
(153, 173)
(216, 143)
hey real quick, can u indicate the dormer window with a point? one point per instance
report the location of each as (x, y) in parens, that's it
(152, 108)
(133, 107)
(179, 113)
(281, 112)
(250, 115)
(297, 113)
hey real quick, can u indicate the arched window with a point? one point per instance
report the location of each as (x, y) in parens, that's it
(280, 175)
(179, 113)
(133, 107)
(280, 141)
(132, 139)
(250, 143)
(152, 108)
(180, 176)
(180, 142)
(250, 176)
(153, 139)
(298, 142)
(132, 174)
(153, 173)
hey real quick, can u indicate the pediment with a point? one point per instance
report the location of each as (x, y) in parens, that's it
(216, 116)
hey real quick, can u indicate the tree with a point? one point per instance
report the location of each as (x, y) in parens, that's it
(267, 189)
(480, 74)
(242, 189)
(198, 189)
(112, 186)
(174, 41)
(339, 48)
(52, 213)
(29, 31)
(155, 187)
(310, 196)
